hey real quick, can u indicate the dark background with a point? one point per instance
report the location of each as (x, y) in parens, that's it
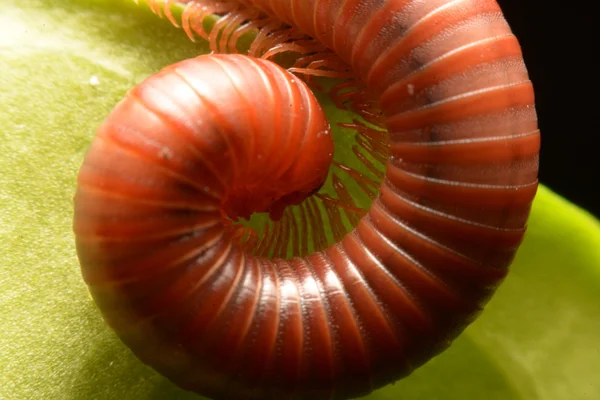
(560, 40)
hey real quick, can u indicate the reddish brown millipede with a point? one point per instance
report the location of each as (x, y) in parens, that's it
(231, 314)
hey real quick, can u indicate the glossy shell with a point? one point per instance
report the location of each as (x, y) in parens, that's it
(179, 153)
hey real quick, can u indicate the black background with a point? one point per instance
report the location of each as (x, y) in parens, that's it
(560, 41)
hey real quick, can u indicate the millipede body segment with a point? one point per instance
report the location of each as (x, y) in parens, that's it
(447, 113)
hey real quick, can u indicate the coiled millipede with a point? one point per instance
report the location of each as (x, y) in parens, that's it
(330, 300)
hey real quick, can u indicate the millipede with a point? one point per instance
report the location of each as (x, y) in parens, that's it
(325, 297)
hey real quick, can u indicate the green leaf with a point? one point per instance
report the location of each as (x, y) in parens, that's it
(537, 339)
